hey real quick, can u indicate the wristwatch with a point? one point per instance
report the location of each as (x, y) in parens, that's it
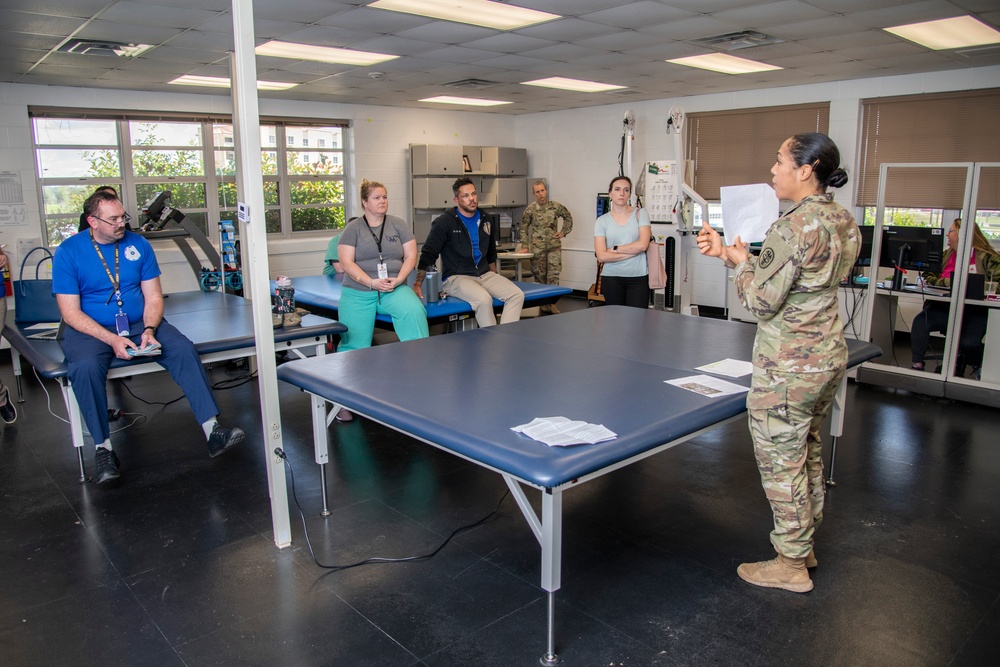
(615, 249)
(151, 328)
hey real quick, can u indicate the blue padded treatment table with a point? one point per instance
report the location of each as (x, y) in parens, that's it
(220, 326)
(322, 295)
(445, 391)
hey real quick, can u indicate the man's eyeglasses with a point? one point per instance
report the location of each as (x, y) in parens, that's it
(114, 222)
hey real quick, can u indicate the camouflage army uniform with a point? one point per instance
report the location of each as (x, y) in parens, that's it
(539, 225)
(799, 357)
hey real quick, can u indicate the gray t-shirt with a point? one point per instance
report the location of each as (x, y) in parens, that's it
(363, 238)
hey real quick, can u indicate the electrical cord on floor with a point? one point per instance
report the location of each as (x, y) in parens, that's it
(228, 383)
(48, 405)
(406, 559)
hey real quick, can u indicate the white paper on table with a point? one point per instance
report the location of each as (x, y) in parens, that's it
(733, 368)
(560, 431)
(706, 385)
(748, 211)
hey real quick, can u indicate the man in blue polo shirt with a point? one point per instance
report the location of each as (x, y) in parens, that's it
(107, 285)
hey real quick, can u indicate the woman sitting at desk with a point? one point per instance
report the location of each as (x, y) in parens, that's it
(934, 316)
(377, 252)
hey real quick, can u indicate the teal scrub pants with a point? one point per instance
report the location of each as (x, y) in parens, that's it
(358, 309)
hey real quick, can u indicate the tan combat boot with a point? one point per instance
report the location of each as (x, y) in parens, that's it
(811, 561)
(789, 574)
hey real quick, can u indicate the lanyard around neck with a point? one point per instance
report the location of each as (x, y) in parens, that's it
(115, 279)
(378, 239)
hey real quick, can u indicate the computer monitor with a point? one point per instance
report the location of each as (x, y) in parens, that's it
(912, 248)
(867, 242)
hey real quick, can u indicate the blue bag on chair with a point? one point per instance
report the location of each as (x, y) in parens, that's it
(33, 299)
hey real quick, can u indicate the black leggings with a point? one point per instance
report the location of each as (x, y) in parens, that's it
(622, 291)
(934, 317)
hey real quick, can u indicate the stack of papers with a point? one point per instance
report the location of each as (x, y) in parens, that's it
(560, 431)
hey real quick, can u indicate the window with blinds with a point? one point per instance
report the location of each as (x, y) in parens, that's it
(944, 127)
(738, 147)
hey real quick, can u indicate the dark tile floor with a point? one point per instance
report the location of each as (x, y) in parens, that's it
(175, 565)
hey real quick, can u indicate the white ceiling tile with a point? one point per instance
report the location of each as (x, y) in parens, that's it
(899, 49)
(38, 24)
(73, 8)
(458, 54)
(773, 13)
(564, 30)
(693, 28)
(571, 7)
(829, 27)
(135, 13)
(120, 32)
(203, 41)
(625, 42)
(300, 11)
(559, 52)
(263, 28)
(508, 43)
(318, 35)
(374, 20)
(445, 32)
(909, 12)
(512, 62)
(637, 14)
(397, 46)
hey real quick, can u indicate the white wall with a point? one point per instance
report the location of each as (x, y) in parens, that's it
(577, 150)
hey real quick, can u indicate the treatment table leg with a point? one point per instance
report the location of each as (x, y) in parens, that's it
(321, 447)
(551, 565)
(836, 426)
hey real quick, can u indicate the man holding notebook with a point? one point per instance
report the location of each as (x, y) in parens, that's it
(107, 285)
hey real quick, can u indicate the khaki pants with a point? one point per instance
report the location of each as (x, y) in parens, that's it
(480, 292)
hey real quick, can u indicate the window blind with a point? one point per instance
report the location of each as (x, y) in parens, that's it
(941, 127)
(738, 147)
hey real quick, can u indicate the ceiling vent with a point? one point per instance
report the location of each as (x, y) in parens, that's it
(991, 51)
(98, 47)
(472, 84)
(733, 41)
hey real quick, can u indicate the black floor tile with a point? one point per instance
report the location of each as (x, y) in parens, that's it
(176, 564)
(101, 626)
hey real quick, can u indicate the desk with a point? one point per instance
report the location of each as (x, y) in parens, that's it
(321, 294)
(516, 257)
(614, 360)
(220, 326)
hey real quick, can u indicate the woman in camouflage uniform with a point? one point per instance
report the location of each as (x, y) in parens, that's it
(799, 355)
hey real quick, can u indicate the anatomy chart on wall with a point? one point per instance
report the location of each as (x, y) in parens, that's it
(662, 195)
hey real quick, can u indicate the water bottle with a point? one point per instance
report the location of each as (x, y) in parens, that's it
(432, 286)
(284, 295)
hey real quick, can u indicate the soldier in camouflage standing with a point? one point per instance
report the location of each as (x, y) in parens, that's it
(799, 355)
(541, 234)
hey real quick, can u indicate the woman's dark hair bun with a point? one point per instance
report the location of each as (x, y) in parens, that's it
(837, 179)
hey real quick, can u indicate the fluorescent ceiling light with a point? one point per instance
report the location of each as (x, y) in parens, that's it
(562, 83)
(953, 33)
(475, 12)
(323, 54)
(468, 101)
(222, 82)
(721, 62)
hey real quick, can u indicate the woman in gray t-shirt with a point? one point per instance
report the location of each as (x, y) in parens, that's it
(378, 252)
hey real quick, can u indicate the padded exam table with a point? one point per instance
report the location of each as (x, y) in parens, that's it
(615, 359)
(220, 326)
(321, 294)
